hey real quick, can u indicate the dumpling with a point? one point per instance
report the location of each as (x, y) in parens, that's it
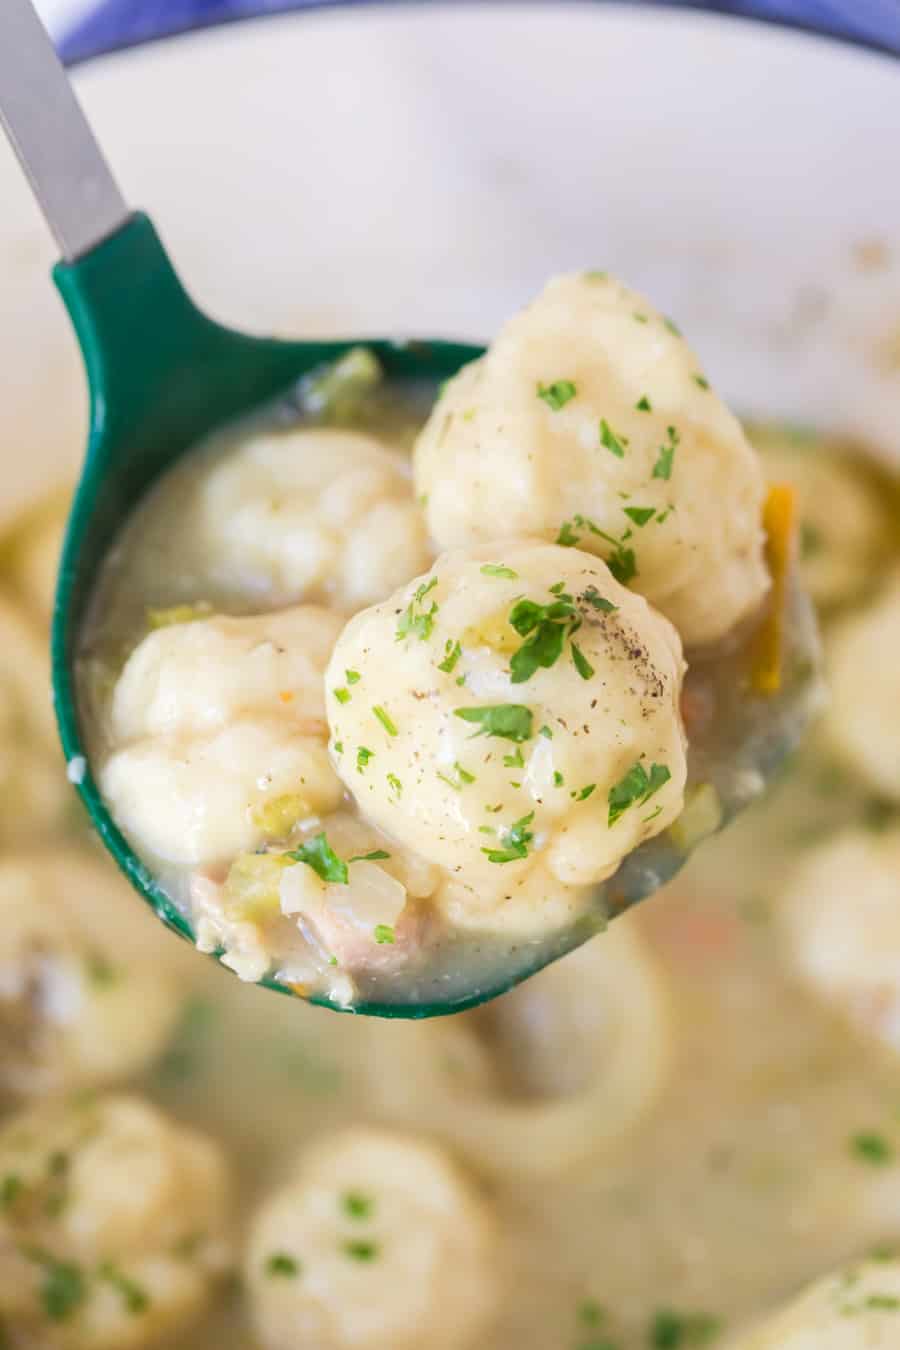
(310, 515)
(514, 711)
(589, 422)
(379, 1242)
(76, 1010)
(863, 719)
(215, 722)
(113, 1230)
(839, 919)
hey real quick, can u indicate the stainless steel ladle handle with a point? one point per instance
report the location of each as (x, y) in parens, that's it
(50, 134)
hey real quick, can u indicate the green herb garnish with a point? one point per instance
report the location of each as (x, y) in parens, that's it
(672, 326)
(581, 663)
(321, 857)
(356, 1205)
(384, 935)
(593, 598)
(509, 721)
(283, 1265)
(394, 782)
(672, 1330)
(614, 443)
(385, 719)
(361, 1251)
(415, 621)
(557, 394)
(498, 570)
(377, 855)
(701, 381)
(515, 842)
(637, 787)
(134, 1296)
(872, 1147)
(342, 695)
(640, 514)
(643, 404)
(352, 676)
(666, 454)
(452, 653)
(363, 755)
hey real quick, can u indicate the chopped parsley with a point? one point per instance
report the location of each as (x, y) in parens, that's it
(591, 1313)
(363, 755)
(63, 1288)
(515, 761)
(621, 562)
(614, 443)
(701, 381)
(581, 663)
(557, 394)
(342, 695)
(384, 935)
(416, 621)
(134, 1296)
(666, 454)
(515, 842)
(672, 1330)
(672, 326)
(636, 787)
(508, 721)
(361, 1250)
(452, 653)
(321, 857)
(283, 1265)
(352, 676)
(545, 629)
(546, 733)
(585, 792)
(10, 1189)
(462, 777)
(872, 1147)
(640, 318)
(641, 515)
(394, 783)
(558, 780)
(356, 1205)
(643, 404)
(498, 570)
(593, 598)
(385, 719)
(377, 855)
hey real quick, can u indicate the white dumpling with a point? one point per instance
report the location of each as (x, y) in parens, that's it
(214, 721)
(857, 1308)
(378, 1243)
(76, 1010)
(839, 917)
(589, 421)
(310, 514)
(113, 1230)
(564, 1067)
(493, 776)
(863, 719)
(845, 524)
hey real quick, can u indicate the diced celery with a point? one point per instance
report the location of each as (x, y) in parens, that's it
(251, 887)
(277, 816)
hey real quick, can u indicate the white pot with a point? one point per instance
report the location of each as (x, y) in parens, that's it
(423, 170)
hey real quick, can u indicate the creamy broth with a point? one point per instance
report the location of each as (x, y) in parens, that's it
(744, 1173)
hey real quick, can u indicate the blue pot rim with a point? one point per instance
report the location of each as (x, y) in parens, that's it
(118, 25)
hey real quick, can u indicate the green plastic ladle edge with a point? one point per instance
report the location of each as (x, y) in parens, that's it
(162, 376)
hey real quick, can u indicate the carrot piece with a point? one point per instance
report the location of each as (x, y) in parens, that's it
(779, 522)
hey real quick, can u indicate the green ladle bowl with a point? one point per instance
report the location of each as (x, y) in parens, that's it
(163, 376)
